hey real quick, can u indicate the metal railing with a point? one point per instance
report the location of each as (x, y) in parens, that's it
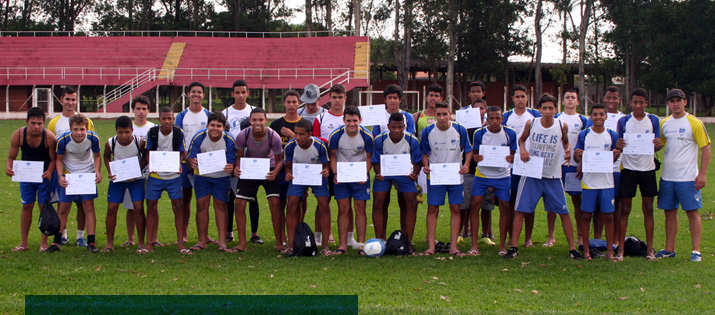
(177, 33)
(127, 87)
(265, 73)
(63, 73)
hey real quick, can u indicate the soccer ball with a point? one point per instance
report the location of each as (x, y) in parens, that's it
(374, 247)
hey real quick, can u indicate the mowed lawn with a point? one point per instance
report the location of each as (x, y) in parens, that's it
(539, 280)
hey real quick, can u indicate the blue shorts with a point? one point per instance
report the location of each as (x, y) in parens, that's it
(616, 183)
(404, 184)
(515, 183)
(532, 189)
(568, 169)
(216, 187)
(592, 197)
(299, 190)
(436, 194)
(115, 193)
(672, 194)
(74, 198)
(29, 192)
(501, 187)
(155, 186)
(185, 173)
(354, 190)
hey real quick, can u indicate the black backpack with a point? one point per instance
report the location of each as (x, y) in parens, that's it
(49, 223)
(634, 247)
(398, 244)
(304, 241)
(175, 140)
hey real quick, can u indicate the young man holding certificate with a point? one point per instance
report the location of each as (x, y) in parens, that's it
(37, 145)
(442, 145)
(597, 187)
(516, 119)
(638, 166)
(211, 155)
(351, 148)
(397, 159)
(123, 159)
(164, 141)
(191, 120)
(494, 148)
(259, 160)
(78, 156)
(307, 166)
(545, 136)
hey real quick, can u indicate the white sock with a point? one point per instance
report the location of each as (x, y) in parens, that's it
(80, 233)
(350, 236)
(318, 236)
(64, 233)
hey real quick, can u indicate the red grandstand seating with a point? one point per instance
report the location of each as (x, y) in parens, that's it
(271, 62)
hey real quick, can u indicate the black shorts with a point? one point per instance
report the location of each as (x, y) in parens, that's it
(248, 188)
(630, 180)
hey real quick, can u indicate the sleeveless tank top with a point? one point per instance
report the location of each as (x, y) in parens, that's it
(39, 154)
(546, 143)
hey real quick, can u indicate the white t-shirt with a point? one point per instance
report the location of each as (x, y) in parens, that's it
(164, 143)
(682, 137)
(548, 146)
(499, 139)
(575, 125)
(518, 122)
(612, 123)
(638, 162)
(234, 118)
(142, 131)
(593, 141)
(328, 123)
(191, 124)
(62, 125)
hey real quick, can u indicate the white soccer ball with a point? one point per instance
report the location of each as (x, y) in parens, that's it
(374, 247)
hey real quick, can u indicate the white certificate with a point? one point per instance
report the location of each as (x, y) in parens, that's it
(27, 171)
(255, 168)
(533, 168)
(211, 162)
(597, 162)
(81, 184)
(125, 169)
(494, 156)
(307, 174)
(445, 174)
(395, 165)
(469, 117)
(352, 172)
(639, 143)
(373, 115)
(164, 161)
(572, 183)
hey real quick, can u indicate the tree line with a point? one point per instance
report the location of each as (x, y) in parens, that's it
(656, 44)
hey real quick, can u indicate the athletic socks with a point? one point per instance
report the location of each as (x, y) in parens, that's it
(64, 234)
(80, 233)
(90, 238)
(58, 238)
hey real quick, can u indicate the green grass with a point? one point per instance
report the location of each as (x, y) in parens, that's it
(539, 280)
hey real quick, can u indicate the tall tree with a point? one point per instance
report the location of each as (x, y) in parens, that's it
(66, 12)
(582, 32)
(452, 18)
(308, 16)
(539, 44)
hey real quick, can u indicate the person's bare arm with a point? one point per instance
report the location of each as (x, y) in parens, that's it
(704, 162)
(98, 168)
(51, 145)
(565, 142)
(237, 169)
(523, 154)
(107, 159)
(12, 154)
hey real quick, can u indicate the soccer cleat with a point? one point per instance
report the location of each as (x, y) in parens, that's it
(488, 241)
(695, 256)
(575, 255)
(81, 242)
(512, 253)
(664, 254)
(256, 239)
(53, 248)
(91, 248)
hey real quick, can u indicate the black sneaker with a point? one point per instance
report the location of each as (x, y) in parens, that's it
(92, 248)
(53, 248)
(229, 238)
(512, 253)
(256, 239)
(575, 255)
(596, 253)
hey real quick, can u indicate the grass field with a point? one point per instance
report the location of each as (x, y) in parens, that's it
(539, 280)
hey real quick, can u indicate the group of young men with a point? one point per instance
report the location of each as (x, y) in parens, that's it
(314, 135)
